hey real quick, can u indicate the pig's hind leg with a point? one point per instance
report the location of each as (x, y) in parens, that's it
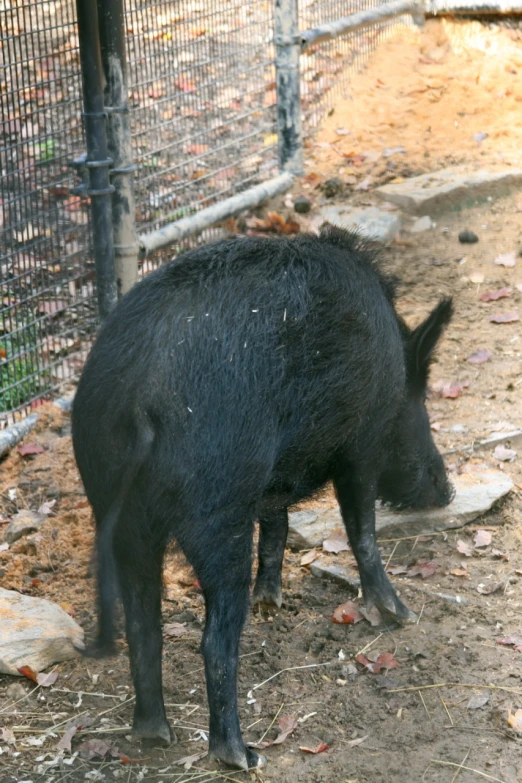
(139, 561)
(273, 531)
(356, 494)
(220, 550)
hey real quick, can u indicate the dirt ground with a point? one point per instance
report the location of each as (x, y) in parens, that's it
(448, 710)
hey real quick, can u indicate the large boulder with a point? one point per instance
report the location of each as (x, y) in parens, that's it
(35, 632)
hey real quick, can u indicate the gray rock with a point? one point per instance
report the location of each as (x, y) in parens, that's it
(325, 569)
(35, 632)
(22, 523)
(422, 224)
(371, 222)
(475, 494)
(448, 188)
(468, 237)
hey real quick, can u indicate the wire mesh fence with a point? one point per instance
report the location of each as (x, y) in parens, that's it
(203, 115)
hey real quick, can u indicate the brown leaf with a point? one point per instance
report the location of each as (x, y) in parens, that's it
(287, 724)
(46, 680)
(310, 556)
(396, 570)
(28, 449)
(480, 356)
(347, 613)
(65, 742)
(504, 318)
(8, 736)
(451, 390)
(492, 296)
(515, 641)
(188, 761)
(373, 616)
(464, 547)
(318, 749)
(515, 720)
(337, 541)
(424, 570)
(97, 748)
(505, 259)
(383, 661)
(26, 671)
(503, 454)
(460, 572)
(482, 538)
(499, 554)
(175, 629)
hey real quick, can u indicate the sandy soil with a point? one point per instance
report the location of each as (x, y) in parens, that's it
(449, 700)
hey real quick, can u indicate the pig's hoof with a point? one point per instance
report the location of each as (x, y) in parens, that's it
(153, 732)
(389, 605)
(100, 649)
(242, 759)
(267, 594)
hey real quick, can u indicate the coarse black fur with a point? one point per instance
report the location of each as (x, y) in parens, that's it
(227, 386)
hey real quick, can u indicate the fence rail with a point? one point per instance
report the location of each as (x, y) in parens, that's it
(205, 110)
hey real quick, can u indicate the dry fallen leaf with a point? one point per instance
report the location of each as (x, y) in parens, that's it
(188, 761)
(8, 736)
(26, 671)
(424, 570)
(65, 742)
(492, 296)
(287, 724)
(504, 318)
(46, 680)
(28, 449)
(460, 572)
(94, 748)
(318, 749)
(464, 547)
(309, 557)
(505, 259)
(480, 356)
(503, 454)
(382, 661)
(515, 720)
(347, 613)
(476, 277)
(477, 702)
(515, 641)
(482, 538)
(336, 542)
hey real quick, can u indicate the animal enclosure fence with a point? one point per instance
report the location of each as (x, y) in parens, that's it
(212, 86)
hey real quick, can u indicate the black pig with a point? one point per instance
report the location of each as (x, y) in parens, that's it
(227, 386)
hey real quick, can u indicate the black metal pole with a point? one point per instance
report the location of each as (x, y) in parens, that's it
(112, 41)
(288, 48)
(98, 161)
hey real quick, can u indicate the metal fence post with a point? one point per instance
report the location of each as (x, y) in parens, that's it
(98, 161)
(288, 47)
(112, 41)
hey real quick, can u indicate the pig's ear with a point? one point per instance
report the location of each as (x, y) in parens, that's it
(423, 340)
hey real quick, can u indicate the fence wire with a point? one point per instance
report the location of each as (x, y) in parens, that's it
(203, 117)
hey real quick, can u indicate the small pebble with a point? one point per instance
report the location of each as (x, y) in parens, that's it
(302, 204)
(468, 237)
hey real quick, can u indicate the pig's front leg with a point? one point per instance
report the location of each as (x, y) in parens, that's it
(356, 494)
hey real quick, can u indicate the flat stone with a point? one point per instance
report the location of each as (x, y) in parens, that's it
(35, 632)
(422, 224)
(370, 222)
(325, 569)
(22, 523)
(475, 494)
(448, 188)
